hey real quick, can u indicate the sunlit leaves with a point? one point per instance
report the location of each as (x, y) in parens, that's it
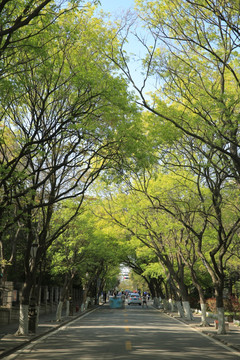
(196, 65)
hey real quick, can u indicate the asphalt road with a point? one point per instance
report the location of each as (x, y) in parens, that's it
(132, 333)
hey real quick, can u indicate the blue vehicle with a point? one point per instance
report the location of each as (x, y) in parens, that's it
(117, 301)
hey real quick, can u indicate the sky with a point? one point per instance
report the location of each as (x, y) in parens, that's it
(114, 6)
(117, 8)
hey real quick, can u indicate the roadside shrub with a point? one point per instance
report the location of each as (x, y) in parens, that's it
(211, 305)
(230, 304)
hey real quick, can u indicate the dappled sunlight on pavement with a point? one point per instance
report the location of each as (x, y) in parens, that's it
(132, 333)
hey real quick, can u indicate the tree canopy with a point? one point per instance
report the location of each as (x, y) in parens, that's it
(164, 160)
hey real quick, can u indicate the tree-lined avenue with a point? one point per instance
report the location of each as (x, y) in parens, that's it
(132, 333)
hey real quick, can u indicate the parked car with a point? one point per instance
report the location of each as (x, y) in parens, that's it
(134, 298)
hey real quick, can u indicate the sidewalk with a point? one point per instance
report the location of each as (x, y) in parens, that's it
(231, 339)
(9, 342)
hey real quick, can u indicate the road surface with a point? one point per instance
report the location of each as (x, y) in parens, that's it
(132, 333)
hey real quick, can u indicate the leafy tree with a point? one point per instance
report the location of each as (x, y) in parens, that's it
(71, 122)
(190, 226)
(85, 250)
(148, 227)
(23, 20)
(67, 253)
(193, 111)
(212, 227)
(188, 41)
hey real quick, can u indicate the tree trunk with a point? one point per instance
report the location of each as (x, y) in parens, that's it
(180, 309)
(171, 303)
(67, 308)
(152, 288)
(187, 310)
(38, 303)
(63, 295)
(166, 287)
(203, 306)
(204, 321)
(158, 287)
(23, 326)
(23, 320)
(59, 311)
(221, 321)
(85, 302)
(32, 314)
(220, 309)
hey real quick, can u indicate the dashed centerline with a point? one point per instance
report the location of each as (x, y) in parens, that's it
(128, 345)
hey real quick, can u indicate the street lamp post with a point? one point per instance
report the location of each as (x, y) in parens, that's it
(32, 312)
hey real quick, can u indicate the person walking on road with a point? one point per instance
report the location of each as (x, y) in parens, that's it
(144, 300)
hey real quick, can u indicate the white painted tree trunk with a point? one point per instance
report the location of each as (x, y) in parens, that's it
(59, 311)
(171, 303)
(221, 321)
(87, 303)
(180, 309)
(23, 320)
(187, 310)
(204, 321)
(67, 308)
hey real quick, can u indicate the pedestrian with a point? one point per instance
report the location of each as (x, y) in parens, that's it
(123, 300)
(144, 300)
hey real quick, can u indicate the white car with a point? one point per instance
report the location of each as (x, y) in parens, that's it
(134, 298)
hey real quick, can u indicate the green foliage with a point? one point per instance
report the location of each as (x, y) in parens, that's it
(67, 116)
(153, 270)
(197, 68)
(84, 247)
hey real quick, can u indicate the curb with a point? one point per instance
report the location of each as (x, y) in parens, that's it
(27, 342)
(205, 332)
(221, 340)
